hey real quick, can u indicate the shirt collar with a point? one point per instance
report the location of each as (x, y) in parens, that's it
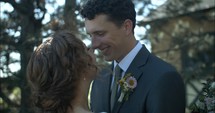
(126, 61)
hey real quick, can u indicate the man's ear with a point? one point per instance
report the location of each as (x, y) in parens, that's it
(128, 26)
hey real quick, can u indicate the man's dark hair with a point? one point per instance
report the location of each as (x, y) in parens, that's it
(116, 10)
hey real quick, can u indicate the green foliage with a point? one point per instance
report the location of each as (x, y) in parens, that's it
(206, 100)
(24, 28)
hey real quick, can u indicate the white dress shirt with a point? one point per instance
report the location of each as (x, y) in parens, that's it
(126, 61)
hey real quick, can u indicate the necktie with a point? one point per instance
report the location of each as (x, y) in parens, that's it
(117, 75)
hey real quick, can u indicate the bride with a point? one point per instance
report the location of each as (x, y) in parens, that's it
(59, 73)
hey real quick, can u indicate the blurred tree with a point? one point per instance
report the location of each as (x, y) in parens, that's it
(22, 30)
(70, 15)
(20, 33)
(179, 33)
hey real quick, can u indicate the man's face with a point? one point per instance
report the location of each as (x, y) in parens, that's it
(107, 37)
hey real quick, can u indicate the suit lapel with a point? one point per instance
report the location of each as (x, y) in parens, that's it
(117, 106)
(138, 63)
(101, 90)
(135, 70)
(107, 84)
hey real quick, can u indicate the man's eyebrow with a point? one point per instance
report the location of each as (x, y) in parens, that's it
(98, 32)
(95, 32)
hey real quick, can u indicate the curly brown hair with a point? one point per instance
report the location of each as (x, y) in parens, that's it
(54, 71)
(116, 10)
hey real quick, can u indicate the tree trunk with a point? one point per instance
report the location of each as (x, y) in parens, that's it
(29, 37)
(70, 16)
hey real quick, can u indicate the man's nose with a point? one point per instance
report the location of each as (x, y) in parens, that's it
(95, 42)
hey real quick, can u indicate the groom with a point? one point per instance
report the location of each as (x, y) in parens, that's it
(159, 88)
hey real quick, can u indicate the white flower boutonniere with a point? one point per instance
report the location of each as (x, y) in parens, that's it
(127, 85)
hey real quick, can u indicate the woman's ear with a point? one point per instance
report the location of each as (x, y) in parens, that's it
(128, 26)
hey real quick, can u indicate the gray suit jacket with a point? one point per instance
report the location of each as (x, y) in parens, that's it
(160, 88)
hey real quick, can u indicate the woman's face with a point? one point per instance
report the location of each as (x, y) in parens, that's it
(92, 67)
(92, 55)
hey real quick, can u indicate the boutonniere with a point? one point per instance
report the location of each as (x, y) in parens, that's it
(127, 85)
